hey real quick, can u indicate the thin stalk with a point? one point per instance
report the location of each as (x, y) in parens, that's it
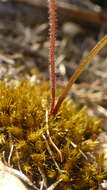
(79, 70)
(50, 139)
(52, 30)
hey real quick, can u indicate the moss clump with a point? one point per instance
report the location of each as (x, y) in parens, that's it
(23, 124)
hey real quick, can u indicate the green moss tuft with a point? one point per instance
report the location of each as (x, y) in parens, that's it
(23, 124)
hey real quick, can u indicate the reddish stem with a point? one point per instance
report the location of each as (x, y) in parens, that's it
(52, 30)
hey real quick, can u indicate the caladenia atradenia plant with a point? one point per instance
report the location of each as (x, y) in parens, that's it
(52, 21)
(52, 140)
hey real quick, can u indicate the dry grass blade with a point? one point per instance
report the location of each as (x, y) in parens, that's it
(79, 70)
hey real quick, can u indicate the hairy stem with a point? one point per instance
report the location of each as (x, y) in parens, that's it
(78, 71)
(52, 30)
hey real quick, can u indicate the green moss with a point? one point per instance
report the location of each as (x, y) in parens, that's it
(23, 124)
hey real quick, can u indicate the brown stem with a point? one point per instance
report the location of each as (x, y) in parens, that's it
(78, 71)
(52, 30)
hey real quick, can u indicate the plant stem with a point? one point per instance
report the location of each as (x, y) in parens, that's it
(79, 70)
(52, 30)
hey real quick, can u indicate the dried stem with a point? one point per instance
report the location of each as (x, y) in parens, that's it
(53, 186)
(79, 70)
(51, 154)
(50, 139)
(10, 154)
(44, 180)
(52, 30)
